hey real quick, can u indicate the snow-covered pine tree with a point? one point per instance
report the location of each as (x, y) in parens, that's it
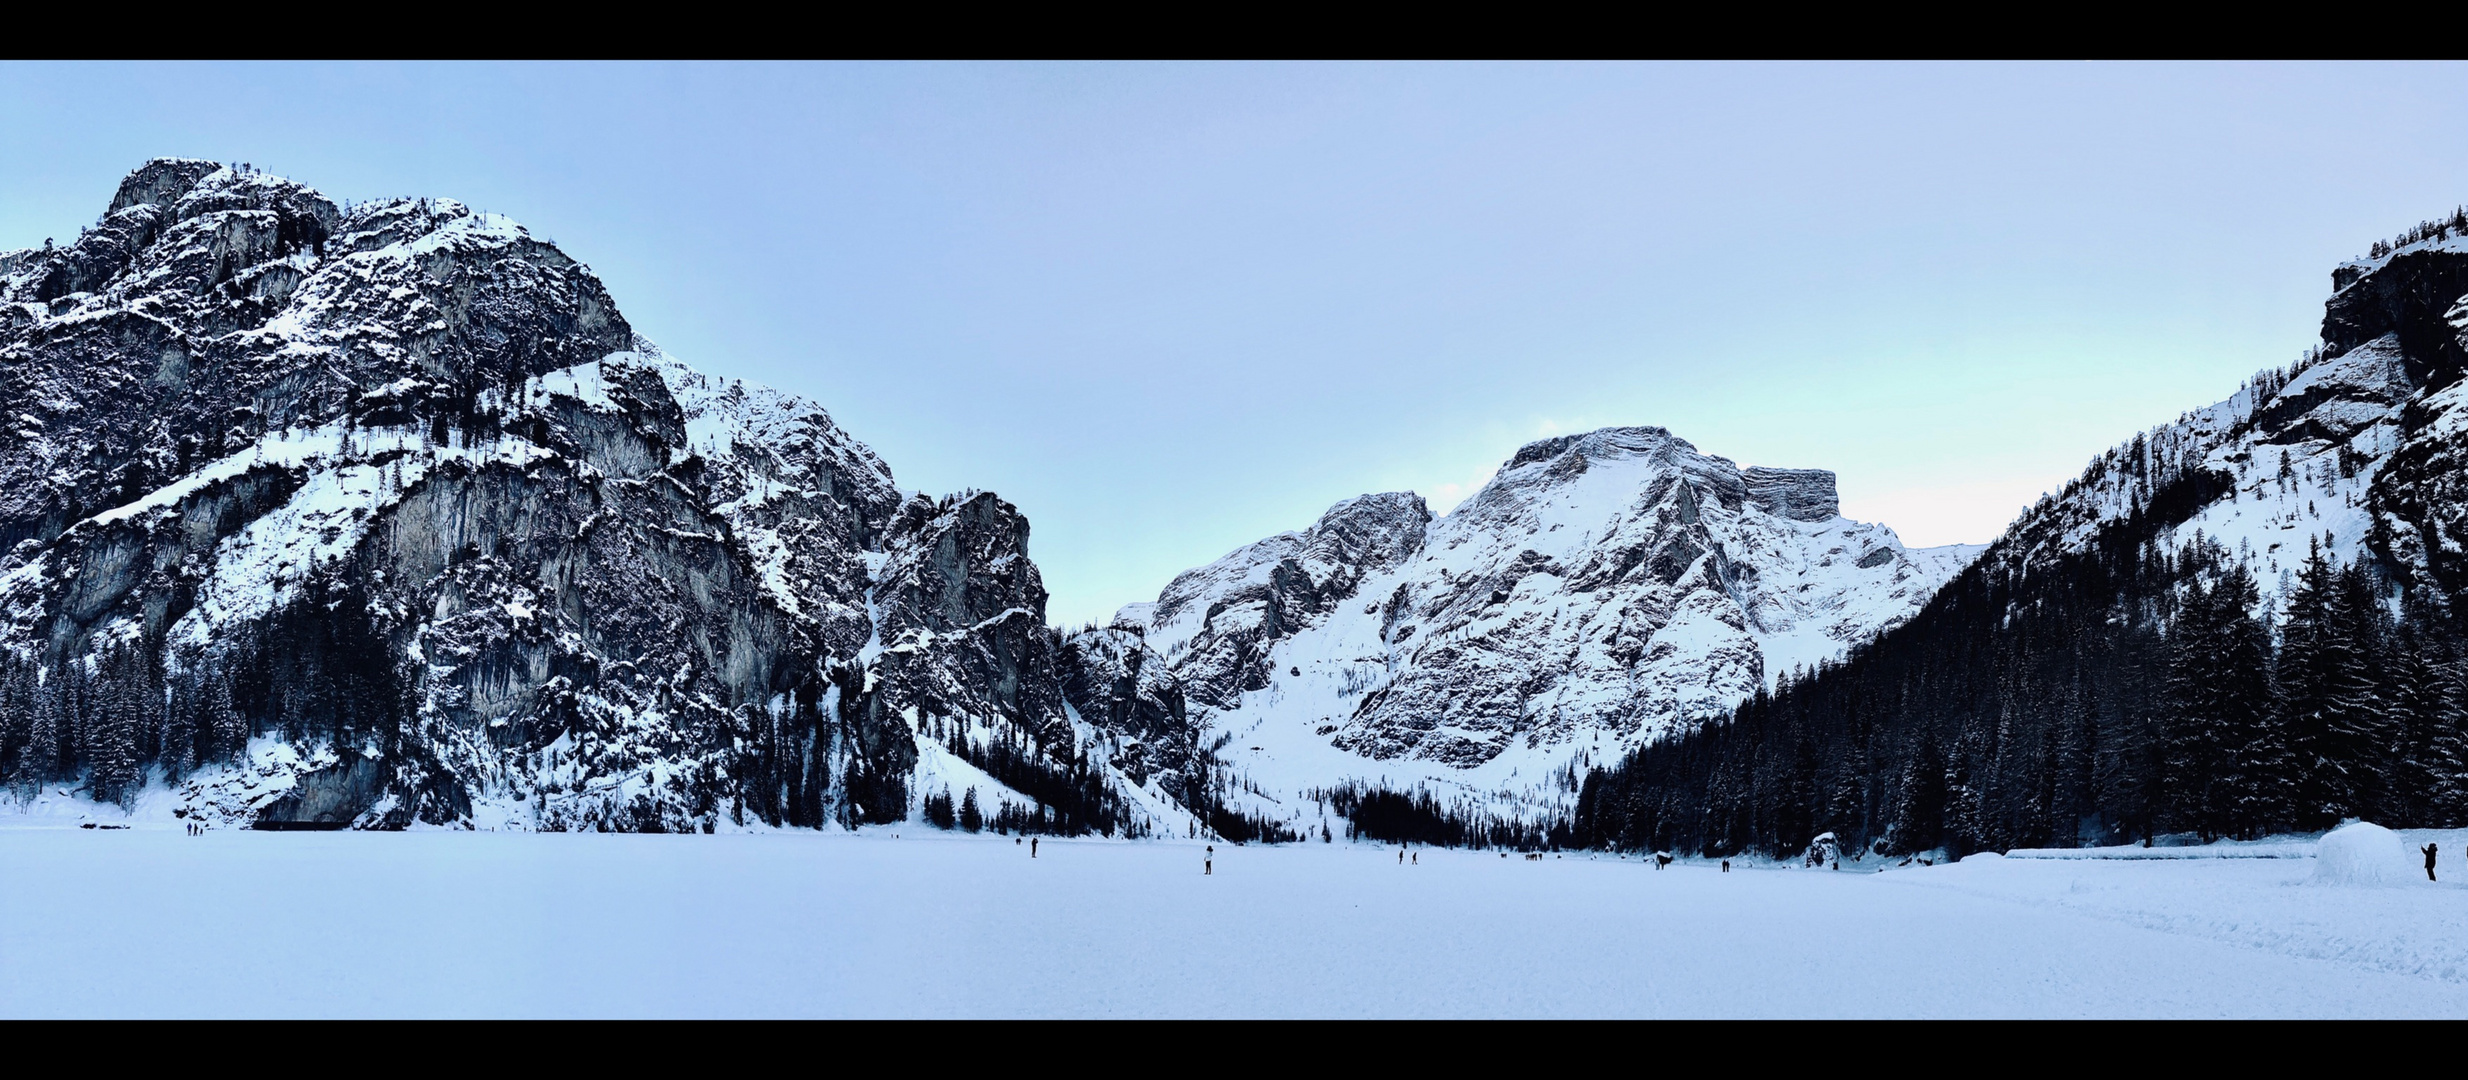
(1919, 800)
(2418, 773)
(2196, 741)
(2310, 666)
(2074, 770)
(114, 772)
(2240, 702)
(44, 727)
(2446, 799)
(16, 716)
(1964, 827)
(1845, 803)
(226, 730)
(2366, 739)
(938, 811)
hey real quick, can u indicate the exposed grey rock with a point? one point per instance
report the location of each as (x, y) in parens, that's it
(1122, 688)
(1599, 590)
(1798, 494)
(391, 502)
(1241, 605)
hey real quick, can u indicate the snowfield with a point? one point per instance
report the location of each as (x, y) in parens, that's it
(147, 921)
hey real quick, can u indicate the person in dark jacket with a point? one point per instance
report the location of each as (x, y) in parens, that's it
(2429, 860)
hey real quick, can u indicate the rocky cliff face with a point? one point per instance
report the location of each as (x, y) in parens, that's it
(389, 506)
(2024, 706)
(2356, 449)
(1599, 590)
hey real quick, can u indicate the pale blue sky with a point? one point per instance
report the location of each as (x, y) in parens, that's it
(1171, 309)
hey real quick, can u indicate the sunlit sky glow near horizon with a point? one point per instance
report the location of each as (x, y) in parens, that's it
(1170, 309)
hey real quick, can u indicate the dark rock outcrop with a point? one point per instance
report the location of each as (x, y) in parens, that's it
(390, 502)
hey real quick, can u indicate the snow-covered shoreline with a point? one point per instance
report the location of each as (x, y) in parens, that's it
(148, 921)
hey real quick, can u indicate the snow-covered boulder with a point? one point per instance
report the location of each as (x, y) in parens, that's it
(1825, 850)
(2363, 853)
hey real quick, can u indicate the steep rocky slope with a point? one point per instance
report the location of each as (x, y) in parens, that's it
(2243, 621)
(388, 505)
(2354, 448)
(1601, 589)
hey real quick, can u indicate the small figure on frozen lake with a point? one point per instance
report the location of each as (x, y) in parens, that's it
(1032, 847)
(1726, 866)
(1662, 859)
(1418, 858)
(2429, 860)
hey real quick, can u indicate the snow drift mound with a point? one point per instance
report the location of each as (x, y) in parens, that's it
(2362, 853)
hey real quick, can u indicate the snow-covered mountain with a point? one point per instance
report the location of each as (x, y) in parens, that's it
(1601, 589)
(2243, 621)
(382, 514)
(2354, 449)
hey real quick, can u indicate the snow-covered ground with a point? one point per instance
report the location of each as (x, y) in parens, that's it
(151, 922)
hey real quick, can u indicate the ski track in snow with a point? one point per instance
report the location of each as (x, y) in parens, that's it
(150, 922)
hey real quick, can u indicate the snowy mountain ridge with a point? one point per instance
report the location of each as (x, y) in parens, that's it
(2245, 621)
(383, 516)
(1600, 590)
(2304, 457)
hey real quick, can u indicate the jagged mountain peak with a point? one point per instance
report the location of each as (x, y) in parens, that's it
(1601, 588)
(392, 517)
(2243, 621)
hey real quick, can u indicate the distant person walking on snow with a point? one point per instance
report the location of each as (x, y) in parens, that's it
(1032, 847)
(2429, 860)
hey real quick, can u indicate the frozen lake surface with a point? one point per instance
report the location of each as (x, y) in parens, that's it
(151, 922)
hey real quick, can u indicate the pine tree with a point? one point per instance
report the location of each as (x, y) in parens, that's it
(2240, 702)
(16, 722)
(2366, 738)
(1919, 800)
(1965, 809)
(2446, 753)
(226, 730)
(111, 751)
(2074, 771)
(2194, 736)
(2418, 772)
(44, 727)
(2312, 662)
(938, 812)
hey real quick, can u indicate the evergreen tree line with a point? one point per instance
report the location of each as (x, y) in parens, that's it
(107, 718)
(2124, 693)
(1207, 794)
(2437, 229)
(1417, 817)
(1072, 796)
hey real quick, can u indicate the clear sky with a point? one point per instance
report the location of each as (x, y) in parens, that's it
(1171, 309)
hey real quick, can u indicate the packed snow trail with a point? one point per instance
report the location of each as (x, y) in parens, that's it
(150, 922)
